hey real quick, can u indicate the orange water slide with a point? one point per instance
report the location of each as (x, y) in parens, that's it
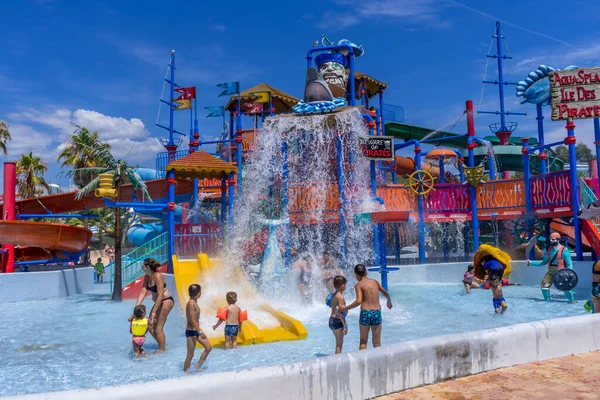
(66, 202)
(591, 234)
(569, 232)
(44, 241)
(406, 166)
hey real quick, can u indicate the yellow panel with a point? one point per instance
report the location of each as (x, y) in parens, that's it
(187, 272)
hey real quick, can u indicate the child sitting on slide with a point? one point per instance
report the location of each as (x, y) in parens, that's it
(468, 279)
(233, 317)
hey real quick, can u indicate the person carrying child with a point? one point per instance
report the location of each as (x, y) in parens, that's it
(337, 319)
(468, 279)
(138, 328)
(233, 317)
(367, 297)
(498, 300)
(99, 268)
(193, 332)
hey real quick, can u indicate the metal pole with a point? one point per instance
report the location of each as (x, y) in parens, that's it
(231, 183)
(473, 190)
(340, 173)
(571, 141)
(527, 179)
(238, 159)
(540, 124)
(597, 143)
(421, 223)
(171, 216)
(223, 203)
(383, 257)
(352, 90)
(375, 230)
(172, 91)
(286, 201)
(500, 76)
(8, 210)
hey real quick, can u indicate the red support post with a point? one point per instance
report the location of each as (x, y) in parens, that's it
(8, 211)
(470, 119)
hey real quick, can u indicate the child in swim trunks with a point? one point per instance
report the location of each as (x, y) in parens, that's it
(499, 303)
(231, 316)
(193, 332)
(367, 297)
(337, 319)
(138, 328)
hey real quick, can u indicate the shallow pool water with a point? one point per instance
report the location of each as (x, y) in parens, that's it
(84, 341)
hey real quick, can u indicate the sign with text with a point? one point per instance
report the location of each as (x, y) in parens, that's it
(377, 148)
(575, 93)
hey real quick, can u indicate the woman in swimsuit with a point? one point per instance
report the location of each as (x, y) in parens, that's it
(163, 301)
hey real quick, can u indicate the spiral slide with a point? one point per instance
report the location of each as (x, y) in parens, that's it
(44, 241)
(204, 271)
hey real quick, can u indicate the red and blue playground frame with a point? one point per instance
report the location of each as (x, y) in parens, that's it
(376, 126)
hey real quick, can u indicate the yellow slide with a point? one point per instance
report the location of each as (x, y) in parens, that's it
(204, 271)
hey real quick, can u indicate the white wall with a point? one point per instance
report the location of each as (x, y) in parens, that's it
(362, 375)
(24, 286)
(453, 272)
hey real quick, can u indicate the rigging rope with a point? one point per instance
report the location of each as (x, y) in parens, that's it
(143, 130)
(487, 61)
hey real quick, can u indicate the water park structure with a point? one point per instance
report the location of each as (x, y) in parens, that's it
(322, 174)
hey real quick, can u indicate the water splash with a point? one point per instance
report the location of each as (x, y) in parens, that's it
(313, 194)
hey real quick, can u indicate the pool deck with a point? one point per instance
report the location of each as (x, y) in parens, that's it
(573, 377)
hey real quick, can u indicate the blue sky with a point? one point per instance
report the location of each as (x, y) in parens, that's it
(101, 63)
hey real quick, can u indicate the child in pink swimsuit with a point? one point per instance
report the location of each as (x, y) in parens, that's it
(138, 328)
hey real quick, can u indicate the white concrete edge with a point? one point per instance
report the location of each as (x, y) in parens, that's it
(366, 374)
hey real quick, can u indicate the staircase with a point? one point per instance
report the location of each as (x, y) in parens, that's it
(132, 262)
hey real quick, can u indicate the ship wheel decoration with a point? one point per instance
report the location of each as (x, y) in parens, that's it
(421, 182)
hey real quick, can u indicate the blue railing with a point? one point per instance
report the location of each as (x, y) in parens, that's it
(131, 263)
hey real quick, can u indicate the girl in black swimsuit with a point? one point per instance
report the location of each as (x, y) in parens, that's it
(163, 301)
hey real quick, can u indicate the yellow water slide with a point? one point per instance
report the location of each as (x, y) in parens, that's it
(203, 271)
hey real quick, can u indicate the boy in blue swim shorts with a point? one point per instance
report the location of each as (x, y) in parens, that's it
(337, 319)
(231, 315)
(367, 297)
(499, 303)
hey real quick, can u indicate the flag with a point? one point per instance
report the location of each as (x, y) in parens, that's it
(215, 111)
(261, 97)
(183, 104)
(187, 93)
(254, 108)
(230, 88)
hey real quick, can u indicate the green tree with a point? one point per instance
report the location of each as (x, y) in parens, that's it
(4, 136)
(562, 153)
(30, 176)
(123, 174)
(583, 153)
(78, 153)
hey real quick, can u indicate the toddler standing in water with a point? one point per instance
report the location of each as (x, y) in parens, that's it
(233, 317)
(337, 319)
(498, 300)
(193, 332)
(138, 328)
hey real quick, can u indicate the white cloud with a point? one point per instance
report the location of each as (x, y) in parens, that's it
(25, 138)
(128, 137)
(352, 12)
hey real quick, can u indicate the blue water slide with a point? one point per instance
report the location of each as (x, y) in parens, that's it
(139, 234)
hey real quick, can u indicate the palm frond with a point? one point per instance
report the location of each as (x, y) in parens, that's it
(84, 172)
(87, 189)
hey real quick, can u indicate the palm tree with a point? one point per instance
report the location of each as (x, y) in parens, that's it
(78, 152)
(123, 174)
(30, 176)
(4, 136)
